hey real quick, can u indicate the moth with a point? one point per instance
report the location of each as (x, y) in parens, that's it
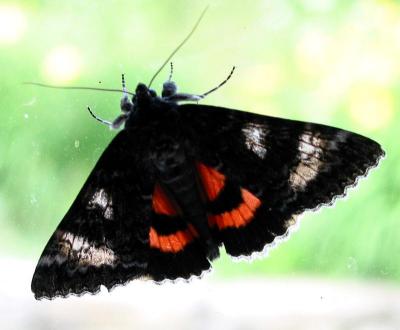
(182, 180)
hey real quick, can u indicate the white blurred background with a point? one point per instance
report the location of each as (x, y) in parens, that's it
(210, 303)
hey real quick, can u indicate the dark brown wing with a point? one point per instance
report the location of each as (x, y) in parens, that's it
(103, 238)
(290, 166)
(113, 233)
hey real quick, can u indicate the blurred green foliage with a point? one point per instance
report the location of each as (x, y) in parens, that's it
(334, 62)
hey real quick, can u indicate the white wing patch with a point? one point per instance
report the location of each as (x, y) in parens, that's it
(79, 251)
(255, 139)
(101, 200)
(312, 149)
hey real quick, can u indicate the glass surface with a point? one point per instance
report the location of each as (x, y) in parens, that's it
(333, 62)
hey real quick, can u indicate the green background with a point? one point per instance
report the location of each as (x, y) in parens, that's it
(333, 62)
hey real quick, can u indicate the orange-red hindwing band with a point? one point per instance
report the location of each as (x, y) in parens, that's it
(172, 243)
(213, 183)
(161, 202)
(177, 241)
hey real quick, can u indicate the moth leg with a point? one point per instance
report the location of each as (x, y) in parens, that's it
(169, 87)
(117, 122)
(126, 103)
(220, 85)
(178, 97)
(126, 107)
(170, 91)
(105, 122)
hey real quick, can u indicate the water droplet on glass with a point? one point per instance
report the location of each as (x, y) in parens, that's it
(352, 263)
(33, 199)
(384, 272)
(76, 143)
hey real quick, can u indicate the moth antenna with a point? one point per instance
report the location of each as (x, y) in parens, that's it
(78, 87)
(105, 122)
(171, 71)
(220, 85)
(179, 46)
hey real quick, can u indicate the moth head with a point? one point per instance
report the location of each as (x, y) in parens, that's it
(142, 95)
(131, 101)
(142, 91)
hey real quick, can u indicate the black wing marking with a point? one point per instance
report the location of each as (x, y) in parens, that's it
(291, 166)
(103, 238)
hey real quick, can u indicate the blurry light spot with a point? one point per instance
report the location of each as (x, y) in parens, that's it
(371, 106)
(76, 144)
(319, 5)
(12, 24)
(378, 66)
(33, 199)
(263, 79)
(352, 263)
(312, 51)
(62, 64)
(278, 15)
(26, 116)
